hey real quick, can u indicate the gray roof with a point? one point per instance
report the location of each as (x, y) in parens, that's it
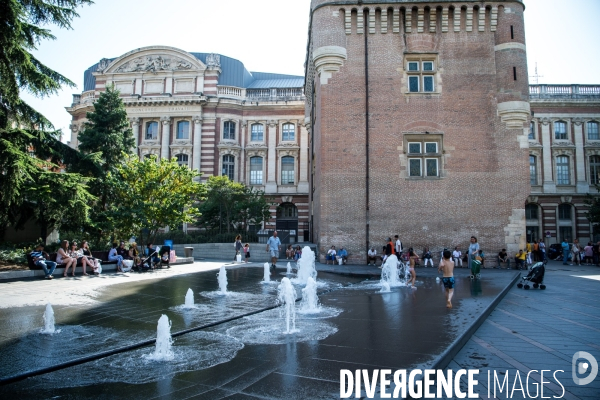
(233, 73)
(277, 83)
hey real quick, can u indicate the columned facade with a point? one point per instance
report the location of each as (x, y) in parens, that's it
(211, 114)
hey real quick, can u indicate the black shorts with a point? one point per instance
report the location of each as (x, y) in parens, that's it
(247, 254)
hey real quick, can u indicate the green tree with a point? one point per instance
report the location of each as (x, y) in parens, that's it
(593, 212)
(23, 130)
(107, 139)
(151, 195)
(21, 31)
(232, 205)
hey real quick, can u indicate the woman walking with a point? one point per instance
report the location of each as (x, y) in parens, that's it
(473, 250)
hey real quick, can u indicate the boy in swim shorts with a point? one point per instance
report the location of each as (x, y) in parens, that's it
(447, 266)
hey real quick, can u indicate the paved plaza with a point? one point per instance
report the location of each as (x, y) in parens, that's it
(233, 346)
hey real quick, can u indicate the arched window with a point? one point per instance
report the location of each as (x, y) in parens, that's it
(595, 170)
(228, 166)
(560, 130)
(287, 211)
(592, 130)
(257, 133)
(182, 159)
(152, 130)
(229, 130)
(532, 130)
(289, 132)
(532, 170)
(531, 211)
(287, 170)
(562, 170)
(183, 130)
(256, 170)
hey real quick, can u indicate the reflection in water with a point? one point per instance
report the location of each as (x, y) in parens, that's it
(476, 287)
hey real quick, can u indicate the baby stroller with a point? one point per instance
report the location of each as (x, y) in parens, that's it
(475, 269)
(535, 276)
(163, 254)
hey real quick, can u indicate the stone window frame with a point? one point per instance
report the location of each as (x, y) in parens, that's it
(532, 131)
(566, 132)
(256, 123)
(533, 174)
(282, 125)
(590, 166)
(586, 127)
(294, 171)
(263, 164)
(233, 167)
(420, 59)
(176, 126)
(235, 129)
(181, 161)
(147, 125)
(424, 138)
(569, 157)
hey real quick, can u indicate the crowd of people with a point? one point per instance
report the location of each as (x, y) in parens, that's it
(70, 255)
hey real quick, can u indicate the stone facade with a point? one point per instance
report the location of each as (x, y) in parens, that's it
(419, 113)
(564, 154)
(213, 115)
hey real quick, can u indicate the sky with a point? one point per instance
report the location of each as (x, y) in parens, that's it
(271, 36)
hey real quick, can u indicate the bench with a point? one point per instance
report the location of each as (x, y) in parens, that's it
(100, 255)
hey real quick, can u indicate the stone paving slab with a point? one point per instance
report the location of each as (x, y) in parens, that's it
(402, 329)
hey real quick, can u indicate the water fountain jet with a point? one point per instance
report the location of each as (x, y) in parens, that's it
(222, 280)
(189, 300)
(267, 273)
(49, 328)
(310, 301)
(286, 295)
(306, 266)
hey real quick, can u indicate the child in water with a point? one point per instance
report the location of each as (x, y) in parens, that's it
(447, 266)
(247, 252)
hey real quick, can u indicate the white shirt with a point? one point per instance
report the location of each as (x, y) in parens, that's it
(331, 252)
(398, 246)
(456, 254)
(372, 253)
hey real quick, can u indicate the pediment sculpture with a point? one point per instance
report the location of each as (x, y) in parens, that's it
(154, 64)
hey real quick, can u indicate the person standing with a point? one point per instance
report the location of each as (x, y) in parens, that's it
(528, 251)
(238, 246)
(398, 246)
(576, 250)
(566, 251)
(457, 256)
(542, 247)
(39, 258)
(447, 268)
(273, 247)
(247, 252)
(536, 251)
(473, 250)
(413, 258)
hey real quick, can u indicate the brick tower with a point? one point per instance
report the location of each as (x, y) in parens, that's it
(418, 113)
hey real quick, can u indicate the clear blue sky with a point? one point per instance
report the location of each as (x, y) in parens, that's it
(270, 36)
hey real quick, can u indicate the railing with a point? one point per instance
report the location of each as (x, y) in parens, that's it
(76, 99)
(88, 97)
(230, 91)
(564, 91)
(276, 94)
(258, 93)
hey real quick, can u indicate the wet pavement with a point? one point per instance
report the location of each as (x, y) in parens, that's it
(247, 357)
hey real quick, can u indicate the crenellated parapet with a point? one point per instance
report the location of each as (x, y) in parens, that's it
(401, 17)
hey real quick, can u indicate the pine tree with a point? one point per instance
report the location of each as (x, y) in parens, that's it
(108, 136)
(24, 132)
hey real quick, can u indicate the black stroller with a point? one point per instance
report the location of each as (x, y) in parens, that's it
(535, 276)
(164, 255)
